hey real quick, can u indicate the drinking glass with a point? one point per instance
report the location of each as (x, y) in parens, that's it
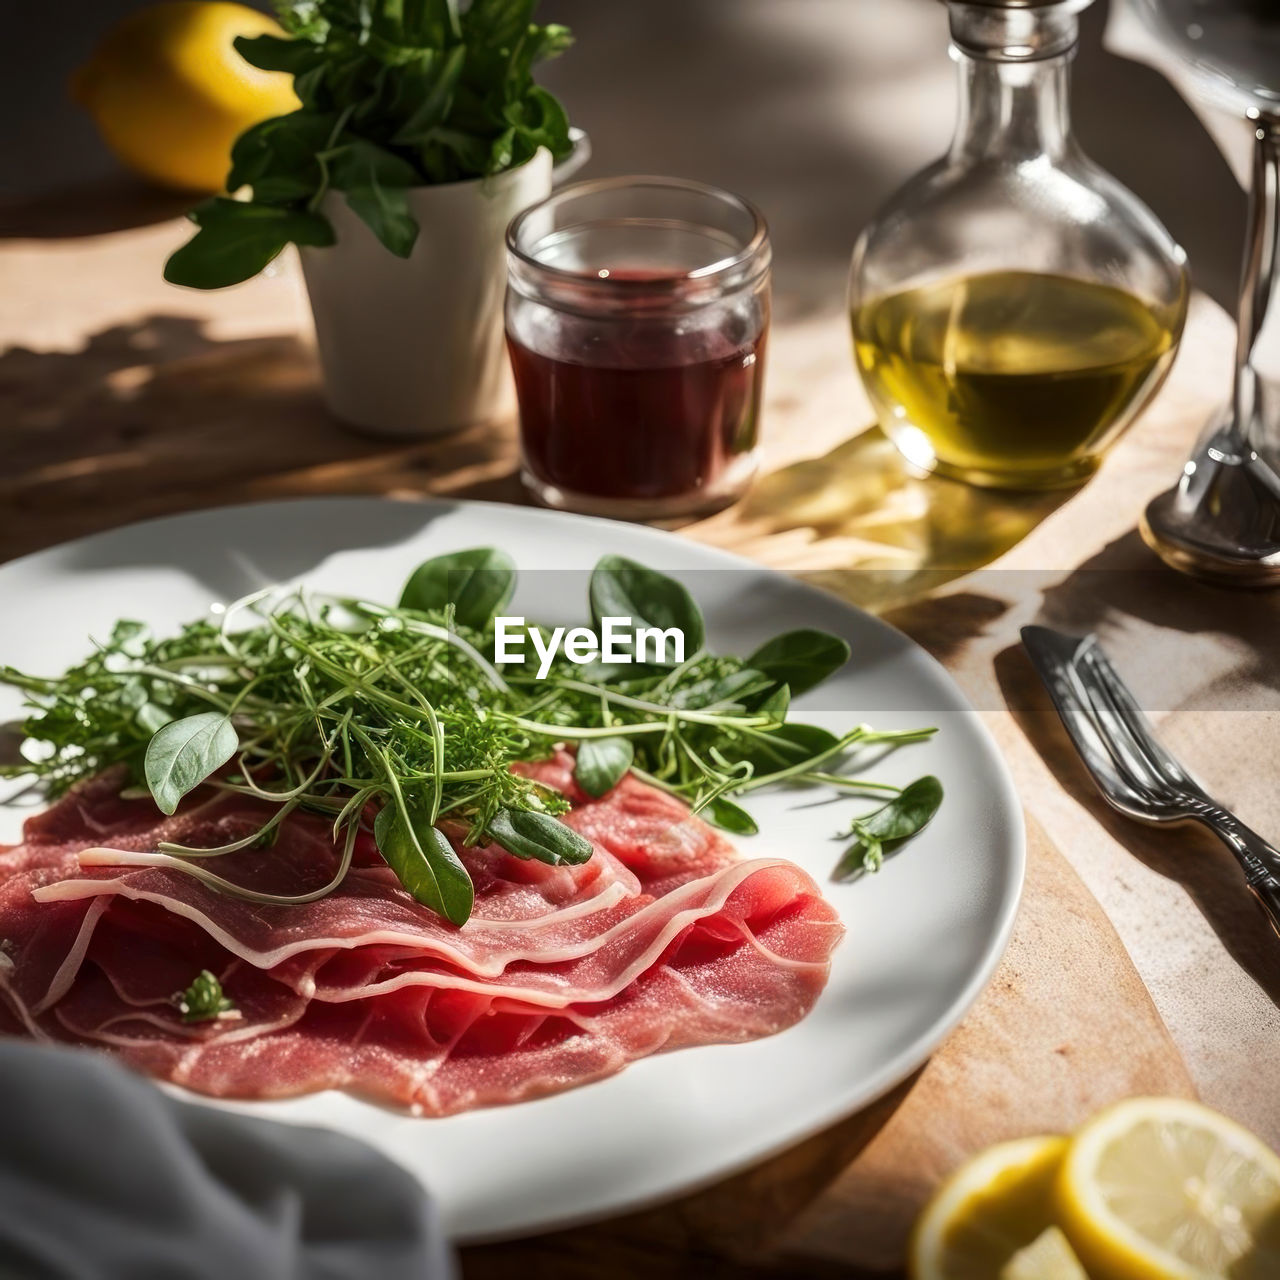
(637, 313)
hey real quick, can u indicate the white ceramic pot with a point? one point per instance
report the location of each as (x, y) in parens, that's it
(414, 347)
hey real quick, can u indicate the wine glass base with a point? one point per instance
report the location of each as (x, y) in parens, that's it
(1221, 522)
(1199, 557)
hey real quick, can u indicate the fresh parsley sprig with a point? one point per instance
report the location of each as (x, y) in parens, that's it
(394, 94)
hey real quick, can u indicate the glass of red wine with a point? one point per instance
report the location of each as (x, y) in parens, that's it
(637, 312)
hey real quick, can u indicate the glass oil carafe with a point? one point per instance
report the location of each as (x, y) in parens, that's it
(1014, 306)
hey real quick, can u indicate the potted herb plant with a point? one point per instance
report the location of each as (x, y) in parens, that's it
(421, 133)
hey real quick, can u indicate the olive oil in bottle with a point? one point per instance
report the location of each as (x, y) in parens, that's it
(1011, 378)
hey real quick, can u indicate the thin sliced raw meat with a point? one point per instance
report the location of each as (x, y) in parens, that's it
(664, 938)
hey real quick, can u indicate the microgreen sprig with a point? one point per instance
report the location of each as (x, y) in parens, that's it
(396, 719)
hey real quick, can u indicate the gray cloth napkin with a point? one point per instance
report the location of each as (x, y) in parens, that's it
(103, 1176)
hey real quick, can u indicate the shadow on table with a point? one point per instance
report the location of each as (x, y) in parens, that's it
(118, 202)
(1126, 580)
(155, 417)
(860, 523)
(1125, 592)
(736, 1228)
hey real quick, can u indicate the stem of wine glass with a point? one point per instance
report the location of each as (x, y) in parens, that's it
(1259, 278)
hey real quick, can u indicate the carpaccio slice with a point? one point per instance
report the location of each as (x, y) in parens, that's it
(663, 939)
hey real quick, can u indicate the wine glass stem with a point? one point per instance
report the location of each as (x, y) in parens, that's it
(1261, 274)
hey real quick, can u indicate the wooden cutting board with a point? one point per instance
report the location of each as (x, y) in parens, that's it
(1065, 1027)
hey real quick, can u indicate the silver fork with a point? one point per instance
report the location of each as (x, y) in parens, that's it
(1135, 771)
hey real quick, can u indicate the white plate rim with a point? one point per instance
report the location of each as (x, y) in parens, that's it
(869, 1089)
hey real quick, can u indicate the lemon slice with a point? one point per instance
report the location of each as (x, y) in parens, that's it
(1048, 1257)
(1165, 1189)
(990, 1208)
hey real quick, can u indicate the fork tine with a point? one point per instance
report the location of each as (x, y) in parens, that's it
(1054, 656)
(1128, 751)
(1157, 757)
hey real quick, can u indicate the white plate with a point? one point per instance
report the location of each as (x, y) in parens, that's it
(923, 936)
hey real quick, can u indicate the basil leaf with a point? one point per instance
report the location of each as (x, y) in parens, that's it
(734, 687)
(801, 658)
(309, 85)
(237, 238)
(777, 704)
(731, 817)
(184, 753)
(449, 152)
(529, 834)
(424, 862)
(621, 588)
(273, 53)
(772, 749)
(628, 676)
(601, 763)
(883, 831)
(277, 158)
(374, 182)
(434, 92)
(152, 718)
(477, 582)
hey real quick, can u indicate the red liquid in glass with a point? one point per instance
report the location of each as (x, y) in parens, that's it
(635, 409)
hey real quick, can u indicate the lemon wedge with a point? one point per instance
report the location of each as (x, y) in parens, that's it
(1048, 1257)
(992, 1206)
(170, 94)
(1165, 1189)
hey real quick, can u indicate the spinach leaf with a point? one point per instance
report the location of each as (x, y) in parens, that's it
(279, 157)
(621, 588)
(530, 834)
(732, 817)
(777, 704)
(238, 238)
(424, 862)
(883, 831)
(277, 53)
(623, 676)
(801, 658)
(375, 183)
(438, 77)
(601, 763)
(774, 749)
(730, 690)
(478, 583)
(184, 753)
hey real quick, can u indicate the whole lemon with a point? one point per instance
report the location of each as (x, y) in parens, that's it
(170, 94)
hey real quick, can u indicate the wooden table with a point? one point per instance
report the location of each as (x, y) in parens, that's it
(1138, 963)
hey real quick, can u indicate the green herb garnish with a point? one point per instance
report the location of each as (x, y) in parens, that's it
(398, 717)
(882, 832)
(203, 1000)
(395, 94)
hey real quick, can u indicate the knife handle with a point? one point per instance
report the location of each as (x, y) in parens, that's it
(1259, 860)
